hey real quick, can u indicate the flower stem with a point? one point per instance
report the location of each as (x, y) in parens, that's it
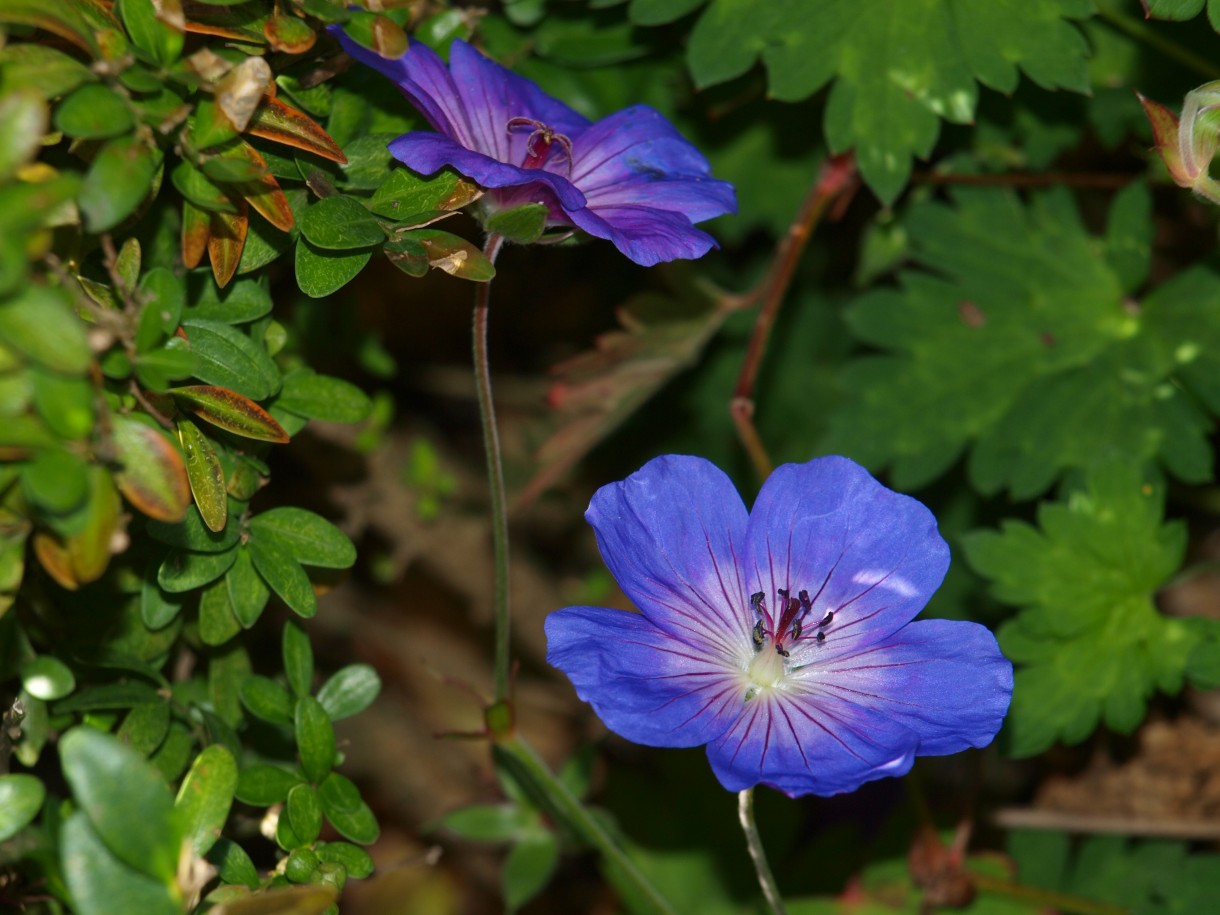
(1140, 31)
(745, 812)
(495, 472)
(535, 777)
(836, 177)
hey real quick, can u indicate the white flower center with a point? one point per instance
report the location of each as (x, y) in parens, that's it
(767, 671)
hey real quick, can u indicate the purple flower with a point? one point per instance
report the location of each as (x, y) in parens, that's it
(782, 638)
(629, 178)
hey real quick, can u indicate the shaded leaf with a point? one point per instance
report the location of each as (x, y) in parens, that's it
(118, 180)
(228, 358)
(23, 322)
(94, 112)
(21, 798)
(284, 575)
(266, 699)
(182, 571)
(248, 593)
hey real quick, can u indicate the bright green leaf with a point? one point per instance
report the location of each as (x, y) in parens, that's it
(266, 699)
(298, 659)
(263, 785)
(304, 812)
(94, 112)
(308, 538)
(46, 677)
(206, 796)
(320, 272)
(40, 324)
(346, 811)
(283, 574)
(21, 798)
(349, 691)
(315, 736)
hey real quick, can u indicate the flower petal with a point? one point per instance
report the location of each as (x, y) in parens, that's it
(427, 153)
(636, 157)
(783, 740)
(870, 555)
(945, 680)
(671, 534)
(645, 235)
(643, 683)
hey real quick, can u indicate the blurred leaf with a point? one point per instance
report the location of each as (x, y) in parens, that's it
(206, 796)
(157, 608)
(60, 17)
(43, 69)
(21, 798)
(529, 866)
(594, 392)
(24, 320)
(206, 476)
(378, 33)
(157, 368)
(165, 298)
(263, 785)
(183, 571)
(175, 752)
(1089, 642)
(340, 223)
(151, 30)
(118, 180)
(196, 228)
(103, 885)
(275, 121)
(56, 481)
(126, 801)
(266, 699)
(24, 115)
(200, 191)
(404, 192)
(228, 358)
(217, 622)
(320, 272)
(521, 225)
(145, 727)
(349, 691)
(308, 538)
(315, 736)
(233, 863)
(289, 34)
(94, 112)
(230, 411)
(243, 301)
(152, 475)
(356, 861)
(304, 812)
(315, 396)
(490, 822)
(248, 593)
(1129, 236)
(46, 677)
(64, 402)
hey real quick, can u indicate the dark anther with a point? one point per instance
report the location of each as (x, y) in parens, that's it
(756, 600)
(821, 636)
(783, 652)
(796, 629)
(760, 634)
(805, 602)
(827, 620)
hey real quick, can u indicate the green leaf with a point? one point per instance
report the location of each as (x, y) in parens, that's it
(175, 753)
(21, 798)
(206, 795)
(266, 699)
(197, 188)
(368, 162)
(248, 593)
(356, 861)
(101, 884)
(1089, 641)
(145, 727)
(149, 32)
(94, 112)
(24, 115)
(56, 481)
(320, 272)
(24, 320)
(900, 69)
(349, 691)
(305, 813)
(263, 785)
(65, 403)
(284, 575)
(315, 738)
(46, 677)
(490, 822)
(41, 68)
(233, 864)
(1129, 236)
(339, 224)
(404, 192)
(217, 622)
(1020, 346)
(158, 368)
(298, 659)
(206, 476)
(346, 811)
(228, 358)
(529, 866)
(158, 608)
(308, 538)
(454, 255)
(302, 863)
(315, 396)
(522, 225)
(183, 571)
(126, 800)
(239, 302)
(118, 180)
(192, 534)
(151, 471)
(230, 411)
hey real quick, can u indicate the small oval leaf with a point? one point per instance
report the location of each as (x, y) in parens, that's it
(206, 476)
(230, 411)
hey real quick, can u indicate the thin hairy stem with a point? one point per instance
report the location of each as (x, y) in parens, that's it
(836, 177)
(495, 473)
(766, 879)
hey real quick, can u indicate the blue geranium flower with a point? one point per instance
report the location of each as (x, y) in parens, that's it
(781, 638)
(630, 178)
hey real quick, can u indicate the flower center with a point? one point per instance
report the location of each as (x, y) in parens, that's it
(540, 141)
(780, 630)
